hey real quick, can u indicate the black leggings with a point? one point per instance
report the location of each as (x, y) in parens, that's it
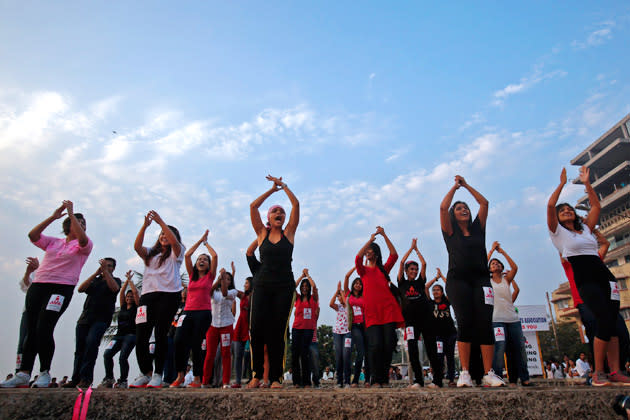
(592, 279)
(430, 346)
(269, 320)
(41, 319)
(381, 344)
(160, 308)
(474, 315)
(189, 336)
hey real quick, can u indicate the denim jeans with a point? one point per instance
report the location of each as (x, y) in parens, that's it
(238, 348)
(88, 338)
(512, 344)
(343, 354)
(313, 349)
(123, 344)
(359, 342)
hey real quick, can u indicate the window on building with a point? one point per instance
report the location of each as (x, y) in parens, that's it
(626, 258)
(625, 313)
(623, 284)
(562, 304)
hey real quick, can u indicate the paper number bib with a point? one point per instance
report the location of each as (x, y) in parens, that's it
(55, 303)
(348, 343)
(440, 347)
(357, 310)
(499, 334)
(488, 295)
(409, 331)
(225, 340)
(141, 315)
(614, 291)
(180, 320)
(307, 313)
(110, 345)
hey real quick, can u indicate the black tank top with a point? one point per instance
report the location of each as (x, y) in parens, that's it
(275, 263)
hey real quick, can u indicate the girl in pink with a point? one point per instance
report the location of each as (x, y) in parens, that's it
(51, 291)
(193, 323)
(356, 308)
(382, 312)
(306, 305)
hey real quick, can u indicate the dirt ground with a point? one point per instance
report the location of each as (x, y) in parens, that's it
(186, 404)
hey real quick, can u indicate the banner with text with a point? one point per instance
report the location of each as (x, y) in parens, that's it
(533, 317)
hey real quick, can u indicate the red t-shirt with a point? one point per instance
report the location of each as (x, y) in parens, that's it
(380, 305)
(568, 270)
(200, 294)
(241, 332)
(358, 308)
(305, 312)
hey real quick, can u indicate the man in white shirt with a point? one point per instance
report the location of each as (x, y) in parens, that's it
(288, 375)
(582, 366)
(327, 375)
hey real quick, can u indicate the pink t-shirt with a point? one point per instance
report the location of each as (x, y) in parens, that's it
(62, 261)
(200, 294)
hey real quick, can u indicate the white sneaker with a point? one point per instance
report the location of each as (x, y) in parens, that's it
(19, 380)
(464, 379)
(43, 380)
(156, 381)
(140, 382)
(491, 379)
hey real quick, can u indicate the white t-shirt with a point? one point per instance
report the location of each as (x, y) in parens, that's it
(503, 306)
(582, 367)
(570, 244)
(222, 315)
(164, 278)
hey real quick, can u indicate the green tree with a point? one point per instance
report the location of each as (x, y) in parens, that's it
(568, 339)
(326, 347)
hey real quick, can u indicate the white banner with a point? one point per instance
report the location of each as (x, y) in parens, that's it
(533, 317)
(534, 365)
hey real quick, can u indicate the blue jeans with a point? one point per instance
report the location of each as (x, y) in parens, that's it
(314, 359)
(238, 348)
(88, 338)
(123, 344)
(343, 355)
(512, 344)
(359, 342)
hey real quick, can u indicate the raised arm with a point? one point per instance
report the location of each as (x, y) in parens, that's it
(509, 276)
(332, 303)
(137, 245)
(346, 281)
(362, 251)
(132, 287)
(423, 262)
(516, 291)
(123, 288)
(314, 291)
(190, 251)
(342, 297)
(552, 217)
(298, 280)
(445, 218)
(251, 248)
(390, 245)
(176, 247)
(401, 269)
(429, 284)
(32, 264)
(294, 218)
(107, 276)
(36, 232)
(593, 215)
(75, 226)
(254, 214)
(494, 246)
(233, 267)
(602, 242)
(86, 283)
(481, 200)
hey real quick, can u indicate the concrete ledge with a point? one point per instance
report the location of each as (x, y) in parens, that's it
(325, 404)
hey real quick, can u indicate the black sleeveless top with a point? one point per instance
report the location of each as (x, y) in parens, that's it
(467, 255)
(275, 263)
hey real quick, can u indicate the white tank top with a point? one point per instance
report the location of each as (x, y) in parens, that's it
(503, 307)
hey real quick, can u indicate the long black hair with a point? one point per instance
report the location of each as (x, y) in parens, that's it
(451, 213)
(195, 273)
(577, 221)
(358, 279)
(166, 251)
(308, 293)
(379, 259)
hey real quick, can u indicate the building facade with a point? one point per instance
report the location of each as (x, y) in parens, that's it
(608, 159)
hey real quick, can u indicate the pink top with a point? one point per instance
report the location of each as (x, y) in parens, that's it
(356, 303)
(200, 294)
(62, 261)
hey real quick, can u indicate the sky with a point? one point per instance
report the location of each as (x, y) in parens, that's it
(367, 111)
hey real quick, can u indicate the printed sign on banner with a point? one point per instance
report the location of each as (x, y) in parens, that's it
(55, 303)
(533, 317)
(533, 356)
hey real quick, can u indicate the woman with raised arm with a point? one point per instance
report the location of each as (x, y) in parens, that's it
(194, 322)
(382, 312)
(356, 308)
(416, 309)
(342, 339)
(224, 294)
(241, 331)
(125, 339)
(444, 327)
(306, 304)
(468, 285)
(596, 285)
(274, 286)
(161, 295)
(51, 291)
(505, 321)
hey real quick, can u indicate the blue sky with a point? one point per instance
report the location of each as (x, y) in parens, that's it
(367, 112)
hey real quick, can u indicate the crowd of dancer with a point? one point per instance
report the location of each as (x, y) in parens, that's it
(178, 330)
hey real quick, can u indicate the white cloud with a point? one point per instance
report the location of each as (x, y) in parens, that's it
(525, 83)
(596, 37)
